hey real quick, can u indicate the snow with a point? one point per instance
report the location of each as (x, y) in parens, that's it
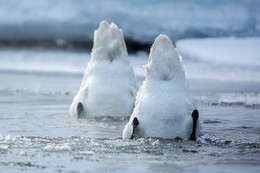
(164, 103)
(109, 86)
(230, 50)
(228, 59)
(215, 59)
(37, 60)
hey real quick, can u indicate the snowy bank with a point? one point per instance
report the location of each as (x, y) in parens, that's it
(230, 59)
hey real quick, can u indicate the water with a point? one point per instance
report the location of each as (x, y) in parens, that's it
(38, 135)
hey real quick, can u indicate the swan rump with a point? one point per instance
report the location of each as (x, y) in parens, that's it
(108, 87)
(164, 104)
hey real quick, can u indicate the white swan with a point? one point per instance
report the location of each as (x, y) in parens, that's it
(109, 87)
(164, 106)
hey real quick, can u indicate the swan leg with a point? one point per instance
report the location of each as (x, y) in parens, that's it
(80, 108)
(135, 123)
(195, 116)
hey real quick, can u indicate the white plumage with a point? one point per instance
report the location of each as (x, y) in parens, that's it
(164, 103)
(109, 86)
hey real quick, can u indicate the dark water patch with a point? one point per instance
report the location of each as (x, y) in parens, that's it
(211, 121)
(76, 45)
(50, 44)
(244, 127)
(133, 46)
(189, 151)
(248, 145)
(254, 106)
(232, 103)
(109, 119)
(22, 164)
(241, 104)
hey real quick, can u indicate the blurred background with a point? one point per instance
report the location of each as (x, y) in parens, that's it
(70, 24)
(218, 39)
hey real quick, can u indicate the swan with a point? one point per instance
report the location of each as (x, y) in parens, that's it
(109, 86)
(164, 105)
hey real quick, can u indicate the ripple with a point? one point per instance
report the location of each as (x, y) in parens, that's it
(211, 121)
(22, 164)
(57, 148)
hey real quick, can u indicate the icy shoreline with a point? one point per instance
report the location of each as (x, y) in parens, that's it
(204, 73)
(220, 59)
(224, 59)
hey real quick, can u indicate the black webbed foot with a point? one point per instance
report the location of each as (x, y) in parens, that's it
(80, 108)
(195, 116)
(135, 123)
